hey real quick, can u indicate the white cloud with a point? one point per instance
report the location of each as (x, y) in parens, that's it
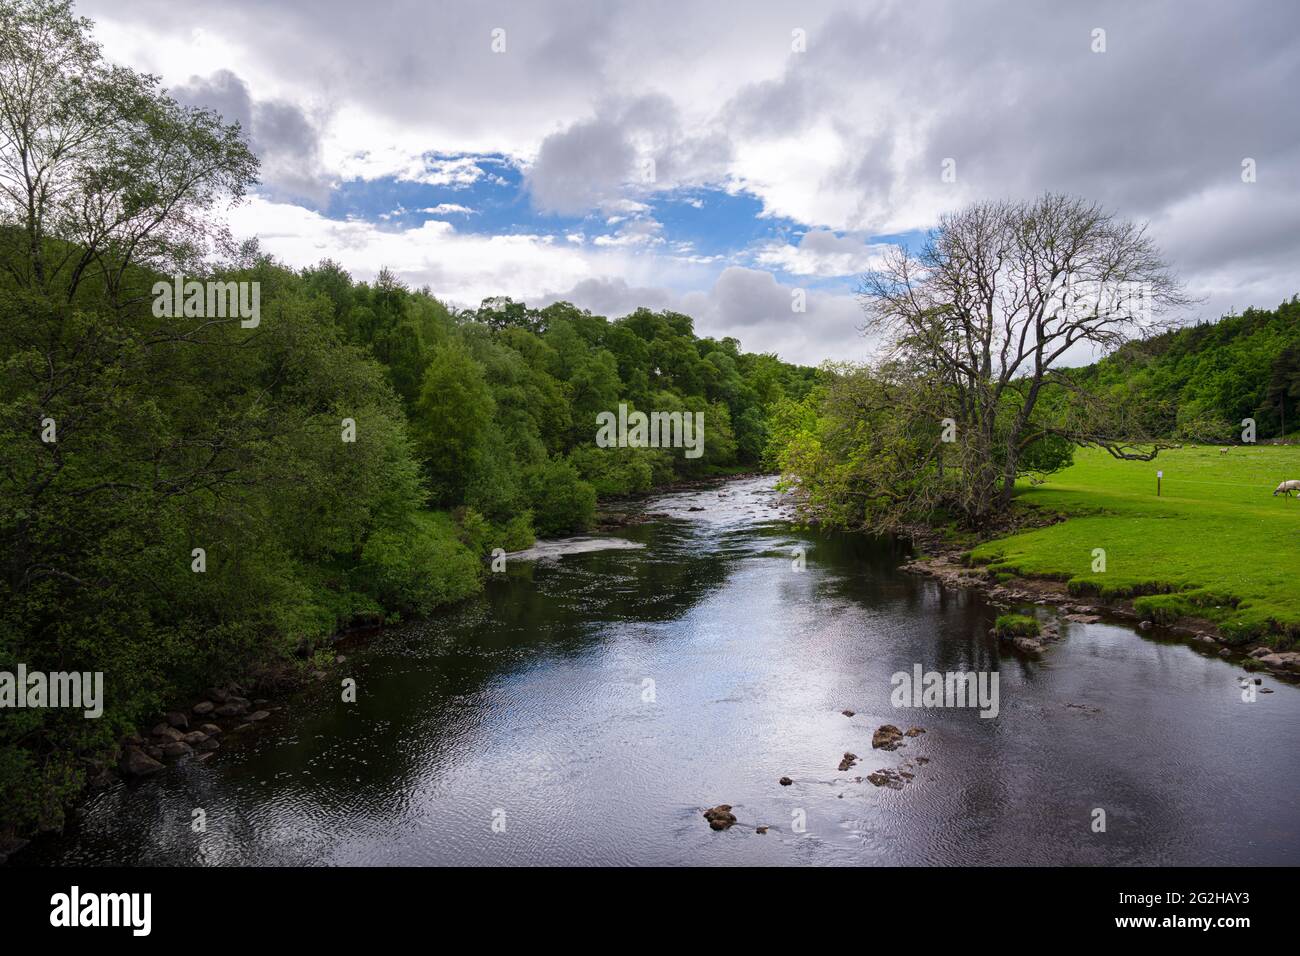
(448, 209)
(821, 252)
(845, 138)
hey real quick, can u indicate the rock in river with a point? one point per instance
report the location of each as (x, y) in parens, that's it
(887, 778)
(887, 737)
(136, 763)
(848, 761)
(720, 817)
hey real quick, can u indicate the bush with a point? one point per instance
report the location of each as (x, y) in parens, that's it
(419, 567)
(560, 499)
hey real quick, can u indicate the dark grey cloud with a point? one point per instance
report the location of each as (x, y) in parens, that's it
(284, 138)
(630, 148)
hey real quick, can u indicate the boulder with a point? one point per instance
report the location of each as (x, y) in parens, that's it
(258, 715)
(848, 760)
(136, 763)
(177, 748)
(167, 733)
(888, 778)
(785, 781)
(232, 709)
(1028, 645)
(178, 720)
(914, 731)
(194, 737)
(1288, 660)
(847, 713)
(887, 737)
(204, 707)
(210, 729)
(209, 743)
(720, 817)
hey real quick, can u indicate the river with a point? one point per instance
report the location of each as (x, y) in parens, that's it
(593, 701)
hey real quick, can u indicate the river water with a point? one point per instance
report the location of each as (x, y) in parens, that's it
(593, 701)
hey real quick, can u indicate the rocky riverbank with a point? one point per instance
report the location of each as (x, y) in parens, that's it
(949, 568)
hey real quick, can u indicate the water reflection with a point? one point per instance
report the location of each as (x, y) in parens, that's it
(595, 703)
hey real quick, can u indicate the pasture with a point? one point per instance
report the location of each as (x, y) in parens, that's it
(1215, 544)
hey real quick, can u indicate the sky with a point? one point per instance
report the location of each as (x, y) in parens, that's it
(724, 159)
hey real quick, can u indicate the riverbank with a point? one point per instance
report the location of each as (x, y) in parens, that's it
(1212, 558)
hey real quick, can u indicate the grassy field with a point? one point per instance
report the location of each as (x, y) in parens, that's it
(1215, 545)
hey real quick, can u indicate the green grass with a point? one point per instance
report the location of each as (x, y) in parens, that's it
(1015, 625)
(1215, 545)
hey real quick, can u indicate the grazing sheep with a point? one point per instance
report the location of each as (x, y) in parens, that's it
(1223, 451)
(1286, 488)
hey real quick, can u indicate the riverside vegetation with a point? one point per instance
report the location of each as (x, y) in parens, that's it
(358, 453)
(353, 457)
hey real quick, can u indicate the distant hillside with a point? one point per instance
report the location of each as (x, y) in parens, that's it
(1202, 380)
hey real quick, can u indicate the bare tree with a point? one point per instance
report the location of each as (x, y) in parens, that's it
(993, 302)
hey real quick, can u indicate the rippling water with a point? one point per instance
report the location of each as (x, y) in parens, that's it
(531, 707)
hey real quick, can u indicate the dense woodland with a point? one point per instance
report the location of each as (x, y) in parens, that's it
(187, 499)
(473, 431)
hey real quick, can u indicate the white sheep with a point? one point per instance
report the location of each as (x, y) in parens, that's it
(1286, 488)
(1223, 451)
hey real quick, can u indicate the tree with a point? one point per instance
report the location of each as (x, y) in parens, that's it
(100, 169)
(997, 296)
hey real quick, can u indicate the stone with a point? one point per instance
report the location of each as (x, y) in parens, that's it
(887, 737)
(167, 733)
(208, 744)
(177, 748)
(136, 763)
(258, 715)
(887, 778)
(847, 713)
(914, 731)
(1288, 660)
(204, 707)
(232, 709)
(785, 781)
(178, 720)
(848, 760)
(210, 729)
(194, 737)
(720, 817)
